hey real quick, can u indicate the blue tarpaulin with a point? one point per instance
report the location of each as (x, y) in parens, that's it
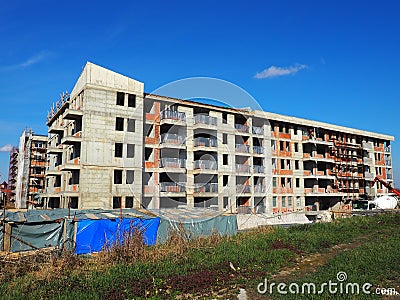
(95, 235)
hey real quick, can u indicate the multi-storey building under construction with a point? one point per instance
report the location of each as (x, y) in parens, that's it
(31, 166)
(12, 174)
(111, 145)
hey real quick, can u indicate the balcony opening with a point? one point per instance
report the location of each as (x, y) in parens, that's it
(73, 202)
(172, 202)
(225, 159)
(54, 202)
(128, 202)
(117, 203)
(225, 180)
(206, 202)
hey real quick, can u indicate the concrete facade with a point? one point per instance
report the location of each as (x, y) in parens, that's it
(111, 145)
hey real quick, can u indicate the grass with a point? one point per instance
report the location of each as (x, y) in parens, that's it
(208, 266)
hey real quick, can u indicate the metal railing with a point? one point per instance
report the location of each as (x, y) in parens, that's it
(243, 188)
(205, 119)
(242, 168)
(258, 130)
(242, 128)
(258, 149)
(172, 187)
(209, 187)
(242, 148)
(259, 188)
(173, 115)
(171, 162)
(205, 164)
(172, 138)
(205, 142)
(258, 169)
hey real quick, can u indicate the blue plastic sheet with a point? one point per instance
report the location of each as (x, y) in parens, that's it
(95, 235)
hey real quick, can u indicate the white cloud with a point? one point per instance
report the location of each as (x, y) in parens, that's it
(6, 148)
(34, 59)
(274, 71)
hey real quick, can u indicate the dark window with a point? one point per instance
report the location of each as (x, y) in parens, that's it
(225, 159)
(130, 176)
(224, 118)
(224, 138)
(128, 202)
(296, 147)
(118, 149)
(225, 179)
(117, 176)
(73, 203)
(130, 151)
(117, 202)
(131, 100)
(297, 182)
(119, 124)
(296, 164)
(131, 125)
(120, 99)
(226, 202)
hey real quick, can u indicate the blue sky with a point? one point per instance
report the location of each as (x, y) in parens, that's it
(332, 61)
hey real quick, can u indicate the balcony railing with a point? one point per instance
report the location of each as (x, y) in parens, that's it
(205, 164)
(205, 142)
(210, 187)
(388, 149)
(204, 119)
(259, 188)
(258, 130)
(172, 138)
(258, 149)
(172, 187)
(389, 176)
(242, 168)
(242, 128)
(173, 115)
(242, 148)
(258, 169)
(172, 162)
(243, 188)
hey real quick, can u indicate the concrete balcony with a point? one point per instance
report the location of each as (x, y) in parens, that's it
(172, 187)
(258, 150)
(243, 189)
(241, 148)
(209, 187)
(257, 130)
(72, 139)
(241, 168)
(71, 165)
(316, 141)
(56, 128)
(172, 140)
(242, 128)
(205, 166)
(367, 160)
(258, 169)
(171, 116)
(318, 157)
(72, 188)
(53, 172)
(205, 143)
(72, 114)
(205, 120)
(259, 189)
(55, 150)
(172, 163)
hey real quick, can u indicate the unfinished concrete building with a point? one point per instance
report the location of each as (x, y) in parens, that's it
(31, 168)
(111, 145)
(12, 174)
